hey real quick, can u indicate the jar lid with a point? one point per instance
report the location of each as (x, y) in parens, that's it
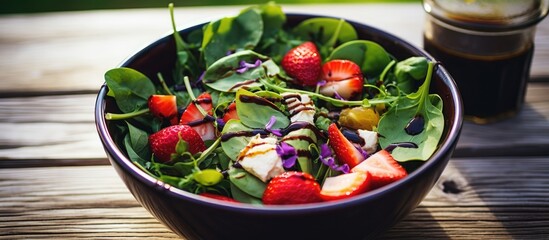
(488, 15)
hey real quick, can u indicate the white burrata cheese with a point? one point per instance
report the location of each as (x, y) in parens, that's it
(260, 159)
(300, 106)
(370, 140)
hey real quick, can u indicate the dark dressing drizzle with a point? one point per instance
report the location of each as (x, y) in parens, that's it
(392, 146)
(415, 126)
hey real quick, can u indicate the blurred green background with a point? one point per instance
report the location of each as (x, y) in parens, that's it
(33, 6)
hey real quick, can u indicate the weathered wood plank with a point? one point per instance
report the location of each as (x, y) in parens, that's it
(70, 51)
(470, 200)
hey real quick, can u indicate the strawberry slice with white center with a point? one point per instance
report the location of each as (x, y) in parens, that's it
(343, 78)
(163, 107)
(345, 185)
(383, 168)
(194, 118)
(344, 150)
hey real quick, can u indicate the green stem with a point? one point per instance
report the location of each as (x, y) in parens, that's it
(208, 151)
(337, 102)
(424, 89)
(386, 70)
(163, 83)
(121, 116)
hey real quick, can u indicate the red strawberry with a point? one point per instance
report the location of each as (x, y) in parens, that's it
(163, 142)
(292, 188)
(303, 63)
(218, 197)
(345, 185)
(344, 150)
(343, 77)
(194, 118)
(383, 168)
(163, 107)
(230, 112)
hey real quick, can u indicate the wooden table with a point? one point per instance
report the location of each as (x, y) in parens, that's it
(55, 180)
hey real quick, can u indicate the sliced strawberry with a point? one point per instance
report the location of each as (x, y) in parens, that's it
(343, 78)
(163, 107)
(194, 118)
(230, 112)
(303, 63)
(383, 168)
(345, 185)
(163, 143)
(218, 197)
(344, 150)
(292, 188)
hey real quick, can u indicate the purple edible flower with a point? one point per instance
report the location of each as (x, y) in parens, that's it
(287, 153)
(321, 83)
(337, 96)
(269, 127)
(327, 159)
(244, 66)
(363, 152)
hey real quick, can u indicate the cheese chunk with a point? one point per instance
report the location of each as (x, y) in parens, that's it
(260, 158)
(300, 106)
(370, 140)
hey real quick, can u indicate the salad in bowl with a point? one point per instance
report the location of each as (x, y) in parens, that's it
(260, 112)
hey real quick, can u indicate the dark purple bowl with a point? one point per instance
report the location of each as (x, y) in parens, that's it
(195, 217)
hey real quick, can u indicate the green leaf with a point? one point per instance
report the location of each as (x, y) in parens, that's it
(139, 141)
(301, 139)
(392, 124)
(243, 197)
(130, 88)
(255, 111)
(410, 71)
(370, 56)
(273, 19)
(237, 137)
(231, 34)
(222, 75)
(247, 182)
(327, 33)
(322, 30)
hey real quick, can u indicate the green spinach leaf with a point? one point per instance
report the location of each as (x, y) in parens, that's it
(231, 34)
(223, 75)
(256, 112)
(392, 126)
(410, 71)
(370, 56)
(130, 88)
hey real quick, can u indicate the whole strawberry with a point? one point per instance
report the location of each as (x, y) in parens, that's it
(303, 63)
(292, 188)
(163, 143)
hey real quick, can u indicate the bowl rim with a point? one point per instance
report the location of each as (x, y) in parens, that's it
(116, 154)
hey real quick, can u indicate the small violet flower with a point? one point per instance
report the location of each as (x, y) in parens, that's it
(327, 159)
(244, 66)
(287, 153)
(269, 127)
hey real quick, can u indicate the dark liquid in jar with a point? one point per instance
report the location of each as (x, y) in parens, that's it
(492, 88)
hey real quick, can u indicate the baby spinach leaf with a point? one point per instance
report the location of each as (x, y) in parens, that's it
(238, 138)
(370, 56)
(231, 34)
(255, 111)
(223, 75)
(247, 182)
(243, 197)
(410, 71)
(301, 139)
(273, 19)
(139, 141)
(130, 88)
(392, 126)
(326, 32)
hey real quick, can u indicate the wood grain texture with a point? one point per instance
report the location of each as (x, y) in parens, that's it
(71, 51)
(470, 200)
